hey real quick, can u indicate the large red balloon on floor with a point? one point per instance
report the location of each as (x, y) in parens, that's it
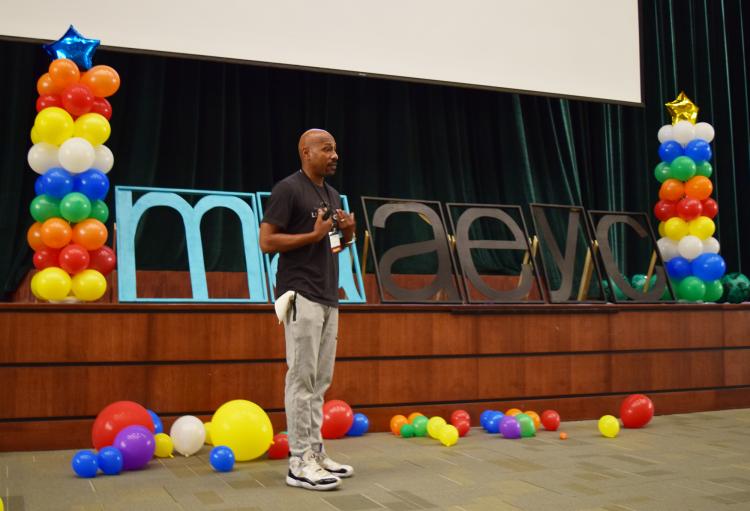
(550, 420)
(114, 418)
(337, 419)
(636, 411)
(280, 448)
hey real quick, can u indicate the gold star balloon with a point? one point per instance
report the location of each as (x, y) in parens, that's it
(682, 109)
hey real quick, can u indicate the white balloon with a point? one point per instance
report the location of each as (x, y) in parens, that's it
(42, 157)
(683, 132)
(711, 246)
(704, 131)
(690, 247)
(665, 133)
(76, 155)
(103, 159)
(667, 248)
(188, 435)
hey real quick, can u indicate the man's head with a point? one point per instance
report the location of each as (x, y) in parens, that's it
(317, 152)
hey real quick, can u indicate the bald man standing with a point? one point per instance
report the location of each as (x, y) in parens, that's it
(305, 224)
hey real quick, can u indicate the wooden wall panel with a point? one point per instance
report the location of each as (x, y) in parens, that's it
(668, 330)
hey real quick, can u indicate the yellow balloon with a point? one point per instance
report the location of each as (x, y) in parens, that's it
(34, 139)
(89, 285)
(53, 283)
(34, 283)
(702, 227)
(434, 425)
(448, 435)
(207, 427)
(244, 427)
(164, 446)
(609, 426)
(662, 232)
(676, 228)
(53, 125)
(93, 127)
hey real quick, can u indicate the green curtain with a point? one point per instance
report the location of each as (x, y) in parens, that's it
(220, 126)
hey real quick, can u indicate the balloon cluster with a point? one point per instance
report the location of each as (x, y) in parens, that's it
(417, 425)
(68, 235)
(636, 411)
(339, 420)
(517, 424)
(685, 208)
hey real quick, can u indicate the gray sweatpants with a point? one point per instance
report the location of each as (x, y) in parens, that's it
(310, 355)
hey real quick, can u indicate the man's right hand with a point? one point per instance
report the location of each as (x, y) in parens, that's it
(322, 227)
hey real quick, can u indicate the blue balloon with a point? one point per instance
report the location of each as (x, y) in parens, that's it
(708, 267)
(678, 268)
(110, 461)
(72, 45)
(670, 150)
(699, 150)
(56, 182)
(221, 458)
(484, 416)
(38, 186)
(93, 183)
(158, 426)
(493, 422)
(85, 464)
(360, 425)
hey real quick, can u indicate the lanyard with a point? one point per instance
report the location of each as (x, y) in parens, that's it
(317, 192)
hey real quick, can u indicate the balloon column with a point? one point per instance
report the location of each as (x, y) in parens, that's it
(70, 129)
(685, 208)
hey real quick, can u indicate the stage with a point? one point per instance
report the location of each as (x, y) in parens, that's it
(61, 364)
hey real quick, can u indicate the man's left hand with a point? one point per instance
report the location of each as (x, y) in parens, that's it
(346, 222)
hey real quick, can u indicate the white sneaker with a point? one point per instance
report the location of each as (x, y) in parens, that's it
(305, 473)
(331, 466)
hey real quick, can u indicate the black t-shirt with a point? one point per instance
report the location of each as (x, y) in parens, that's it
(312, 270)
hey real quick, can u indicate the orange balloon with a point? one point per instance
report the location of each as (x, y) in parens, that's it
(34, 236)
(46, 87)
(699, 187)
(535, 417)
(414, 415)
(64, 72)
(671, 189)
(513, 412)
(102, 80)
(56, 232)
(563, 436)
(90, 233)
(396, 422)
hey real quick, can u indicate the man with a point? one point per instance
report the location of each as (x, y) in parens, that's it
(302, 222)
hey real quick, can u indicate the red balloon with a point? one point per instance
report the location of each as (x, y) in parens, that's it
(337, 419)
(279, 450)
(103, 260)
(113, 418)
(689, 208)
(101, 106)
(636, 411)
(463, 426)
(74, 258)
(664, 210)
(458, 415)
(550, 420)
(710, 208)
(77, 99)
(45, 257)
(47, 101)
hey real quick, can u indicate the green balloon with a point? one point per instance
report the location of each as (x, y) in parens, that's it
(639, 280)
(75, 207)
(407, 431)
(99, 211)
(714, 290)
(420, 425)
(662, 172)
(683, 168)
(704, 168)
(527, 425)
(44, 207)
(736, 287)
(691, 289)
(613, 292)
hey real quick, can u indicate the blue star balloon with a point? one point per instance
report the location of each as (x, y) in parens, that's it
(73, 46)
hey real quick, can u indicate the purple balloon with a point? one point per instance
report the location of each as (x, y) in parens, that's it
(510, 427)
(137, 446)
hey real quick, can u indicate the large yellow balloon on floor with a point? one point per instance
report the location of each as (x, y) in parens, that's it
(207, 427)
(434, 426)
(164, 446)
(448, 435)
(244, 427)
(609, 426)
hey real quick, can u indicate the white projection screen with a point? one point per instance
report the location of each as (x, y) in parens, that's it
(586, 49)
